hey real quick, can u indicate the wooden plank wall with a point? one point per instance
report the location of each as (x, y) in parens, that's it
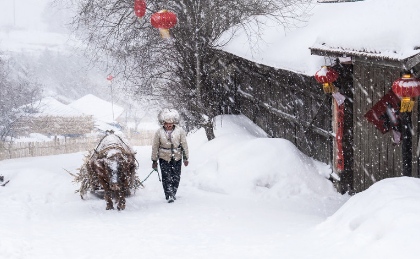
(375, 156)
(283, 104)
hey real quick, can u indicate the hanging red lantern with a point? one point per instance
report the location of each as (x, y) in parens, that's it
(407, 87)
(109, 78)
(326, 76)
(140, 8)
(164, 20)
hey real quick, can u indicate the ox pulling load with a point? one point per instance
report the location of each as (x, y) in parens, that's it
(109, 169)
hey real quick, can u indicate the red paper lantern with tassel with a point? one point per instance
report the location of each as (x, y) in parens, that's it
(140, 8)
(407, 87)
(326, 76)
(164, 20)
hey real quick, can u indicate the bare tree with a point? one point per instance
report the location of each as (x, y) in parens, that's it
(182, 70)
(18, 95)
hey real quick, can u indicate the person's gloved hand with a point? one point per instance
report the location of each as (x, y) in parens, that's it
(186, 163)
(154, 165)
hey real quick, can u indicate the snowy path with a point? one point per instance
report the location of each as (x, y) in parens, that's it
(242, 196)
(41, 217)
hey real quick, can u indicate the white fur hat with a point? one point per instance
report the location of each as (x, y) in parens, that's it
(168, 116)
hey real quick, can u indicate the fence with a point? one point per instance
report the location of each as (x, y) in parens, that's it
(10, 150)
(284, 104)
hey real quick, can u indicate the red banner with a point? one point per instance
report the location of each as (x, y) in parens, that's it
(339, 136)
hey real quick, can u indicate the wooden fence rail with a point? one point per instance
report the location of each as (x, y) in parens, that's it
(10, 150)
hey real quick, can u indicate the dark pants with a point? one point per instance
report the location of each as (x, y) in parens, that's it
(171, 175)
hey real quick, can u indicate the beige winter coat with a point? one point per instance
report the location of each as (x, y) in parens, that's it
(161, 146)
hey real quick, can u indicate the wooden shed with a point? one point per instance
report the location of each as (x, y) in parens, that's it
(375, 154)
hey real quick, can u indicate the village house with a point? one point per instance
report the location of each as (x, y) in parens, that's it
(106, 115)
(272, 83)
(53, 119)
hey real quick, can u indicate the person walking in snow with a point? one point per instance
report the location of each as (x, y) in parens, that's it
(170, 148)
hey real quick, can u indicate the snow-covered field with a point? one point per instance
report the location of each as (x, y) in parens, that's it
(243, 196)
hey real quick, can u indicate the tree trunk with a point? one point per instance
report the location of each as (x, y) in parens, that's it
(208, 127)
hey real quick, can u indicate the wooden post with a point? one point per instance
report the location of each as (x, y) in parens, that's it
(406, 148)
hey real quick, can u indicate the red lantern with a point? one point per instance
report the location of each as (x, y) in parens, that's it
(407, 87)
(327, 76)
(109, 78)
(140, 8)
(164, 20)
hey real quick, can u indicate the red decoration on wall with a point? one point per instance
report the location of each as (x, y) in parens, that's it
(339, 136)
(140, 8)
(164, 20)
(326, 76)
(384, 113)
(407, 87)
(109, 78)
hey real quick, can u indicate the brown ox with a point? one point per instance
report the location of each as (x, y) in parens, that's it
(113, 167)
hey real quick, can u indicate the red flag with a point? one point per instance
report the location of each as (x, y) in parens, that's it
(385, 113)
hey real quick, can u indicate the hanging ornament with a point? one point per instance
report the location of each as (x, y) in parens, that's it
(407, 87)
(164, 20)
(140, 8)
(109, 78)
(326, 76)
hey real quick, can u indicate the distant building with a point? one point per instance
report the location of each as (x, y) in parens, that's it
(55, 118)
(106, 115)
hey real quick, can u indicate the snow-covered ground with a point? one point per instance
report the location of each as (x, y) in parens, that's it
(243, 196)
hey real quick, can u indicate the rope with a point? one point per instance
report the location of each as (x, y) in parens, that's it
(141, 182)
(148, 176)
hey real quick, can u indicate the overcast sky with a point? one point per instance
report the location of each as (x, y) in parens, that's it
(26, 14)
(33, 25)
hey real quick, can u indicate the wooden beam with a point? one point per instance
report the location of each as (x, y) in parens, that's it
(412, 62)
(326, 53)
(405, 64)
(380, 62)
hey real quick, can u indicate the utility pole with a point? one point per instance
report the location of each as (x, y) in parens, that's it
(112, 103)
(14, 13)
(109, 78)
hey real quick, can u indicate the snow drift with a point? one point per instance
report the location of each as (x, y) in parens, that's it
(242, 160)
(381, 222)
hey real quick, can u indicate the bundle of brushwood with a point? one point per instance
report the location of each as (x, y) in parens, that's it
(109, 169)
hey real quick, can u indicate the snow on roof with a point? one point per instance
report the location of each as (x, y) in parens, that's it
(100, 109)
(51, 107)
(381, 28)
